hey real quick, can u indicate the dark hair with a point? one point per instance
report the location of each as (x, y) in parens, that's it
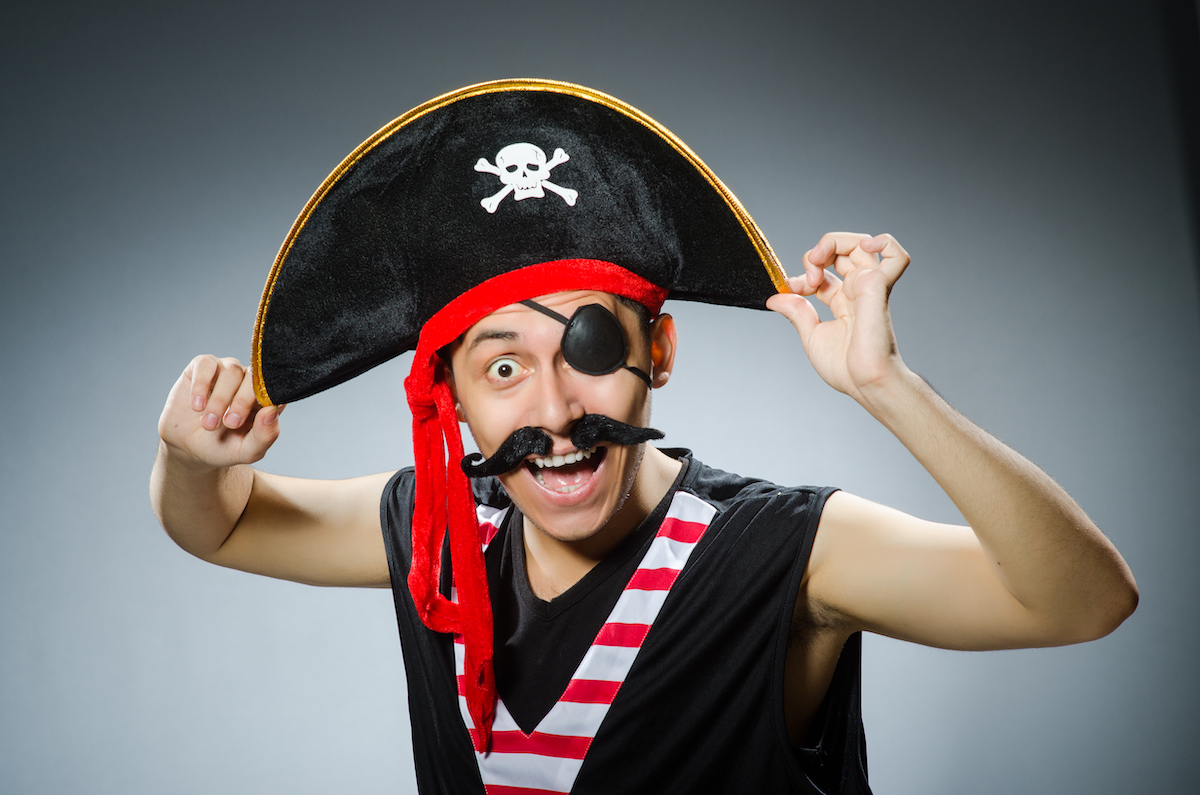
(643, 316)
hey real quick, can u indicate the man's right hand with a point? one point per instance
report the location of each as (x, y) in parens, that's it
(212, 418)
(323, 532)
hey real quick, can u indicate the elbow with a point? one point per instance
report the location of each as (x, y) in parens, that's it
(1123, 598)
(1112, 597)
(1124, 603)
(1088, 614)
(1109, 610)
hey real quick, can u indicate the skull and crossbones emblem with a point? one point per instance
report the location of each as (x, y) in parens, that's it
(525, 172)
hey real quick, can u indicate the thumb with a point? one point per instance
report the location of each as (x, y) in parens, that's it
(799, 312)
(263, 433)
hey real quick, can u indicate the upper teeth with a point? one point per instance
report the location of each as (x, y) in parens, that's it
(563, 460)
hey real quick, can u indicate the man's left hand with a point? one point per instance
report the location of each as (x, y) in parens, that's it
(856, 351)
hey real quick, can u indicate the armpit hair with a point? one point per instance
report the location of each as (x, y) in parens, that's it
(818, 617)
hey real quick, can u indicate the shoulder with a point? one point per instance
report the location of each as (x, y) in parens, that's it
(399, 491)
(755, 521)
(727, 491)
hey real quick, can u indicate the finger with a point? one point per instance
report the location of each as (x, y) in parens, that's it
(836, 243)
(229, 378)
(202, 371)
(829, 289)
(813, 274)
(870, 293)
(861, 258)
(855, 259)
(894, 258)
(243, 404)
(832, 249)
(801, 285)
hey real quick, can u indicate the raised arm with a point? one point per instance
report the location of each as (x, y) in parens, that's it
(215, 506)
(1031, 570)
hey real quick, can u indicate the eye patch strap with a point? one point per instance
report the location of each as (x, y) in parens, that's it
(571, 346)
(547, 311)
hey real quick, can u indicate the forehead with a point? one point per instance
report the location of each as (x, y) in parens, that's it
(514, 316)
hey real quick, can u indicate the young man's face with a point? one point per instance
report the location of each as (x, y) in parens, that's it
(509, 373)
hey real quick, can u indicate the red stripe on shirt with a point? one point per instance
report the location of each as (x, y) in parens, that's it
(579, 691)
(500, 789)
(590, 691)
(652, 580)
(627, 635)
(679, 530)
(555, 745)
(487, 531)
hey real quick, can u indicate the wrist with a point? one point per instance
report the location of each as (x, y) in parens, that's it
(896, 395)
(181, 463)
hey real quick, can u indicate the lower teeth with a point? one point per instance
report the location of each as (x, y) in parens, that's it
(560, 490)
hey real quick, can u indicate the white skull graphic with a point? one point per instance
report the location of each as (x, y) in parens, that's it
(524, 167)
(525, 172)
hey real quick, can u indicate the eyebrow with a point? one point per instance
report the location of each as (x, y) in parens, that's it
(484, 336)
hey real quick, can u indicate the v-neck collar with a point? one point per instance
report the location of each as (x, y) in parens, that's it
(548, 756)
(633, 544)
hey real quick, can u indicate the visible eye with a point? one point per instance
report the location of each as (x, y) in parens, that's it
(503, 369)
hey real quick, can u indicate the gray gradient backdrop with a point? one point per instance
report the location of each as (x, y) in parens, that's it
(155, 157)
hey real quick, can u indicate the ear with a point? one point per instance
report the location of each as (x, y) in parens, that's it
(662, 349)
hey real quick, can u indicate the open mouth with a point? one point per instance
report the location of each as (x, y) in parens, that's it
(565, 473)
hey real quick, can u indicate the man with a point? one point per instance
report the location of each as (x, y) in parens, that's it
(636, 621)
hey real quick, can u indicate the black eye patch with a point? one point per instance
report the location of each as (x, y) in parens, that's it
(593, 341)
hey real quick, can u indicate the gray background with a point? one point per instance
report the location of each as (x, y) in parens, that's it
(153, 159)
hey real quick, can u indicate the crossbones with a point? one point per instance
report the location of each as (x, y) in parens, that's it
(524, 170)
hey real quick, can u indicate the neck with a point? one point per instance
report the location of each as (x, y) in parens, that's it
(554, 565)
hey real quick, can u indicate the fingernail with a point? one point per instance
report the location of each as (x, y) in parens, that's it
(198, 402)
(233, 420)
(210, 421)
(270, 417)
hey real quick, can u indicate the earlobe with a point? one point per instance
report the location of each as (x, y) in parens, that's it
(662, 349)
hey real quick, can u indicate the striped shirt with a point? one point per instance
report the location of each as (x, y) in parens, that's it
(548, 759)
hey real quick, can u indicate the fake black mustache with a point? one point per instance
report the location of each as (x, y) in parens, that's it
(524, 442)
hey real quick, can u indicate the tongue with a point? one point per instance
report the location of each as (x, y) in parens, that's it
(570, 475)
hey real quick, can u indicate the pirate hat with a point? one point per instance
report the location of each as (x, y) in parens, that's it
(478, 199)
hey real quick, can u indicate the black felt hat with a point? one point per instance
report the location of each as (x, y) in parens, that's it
(478, 199)
(483, 181)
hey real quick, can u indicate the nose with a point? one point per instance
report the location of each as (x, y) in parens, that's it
(556, 406)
